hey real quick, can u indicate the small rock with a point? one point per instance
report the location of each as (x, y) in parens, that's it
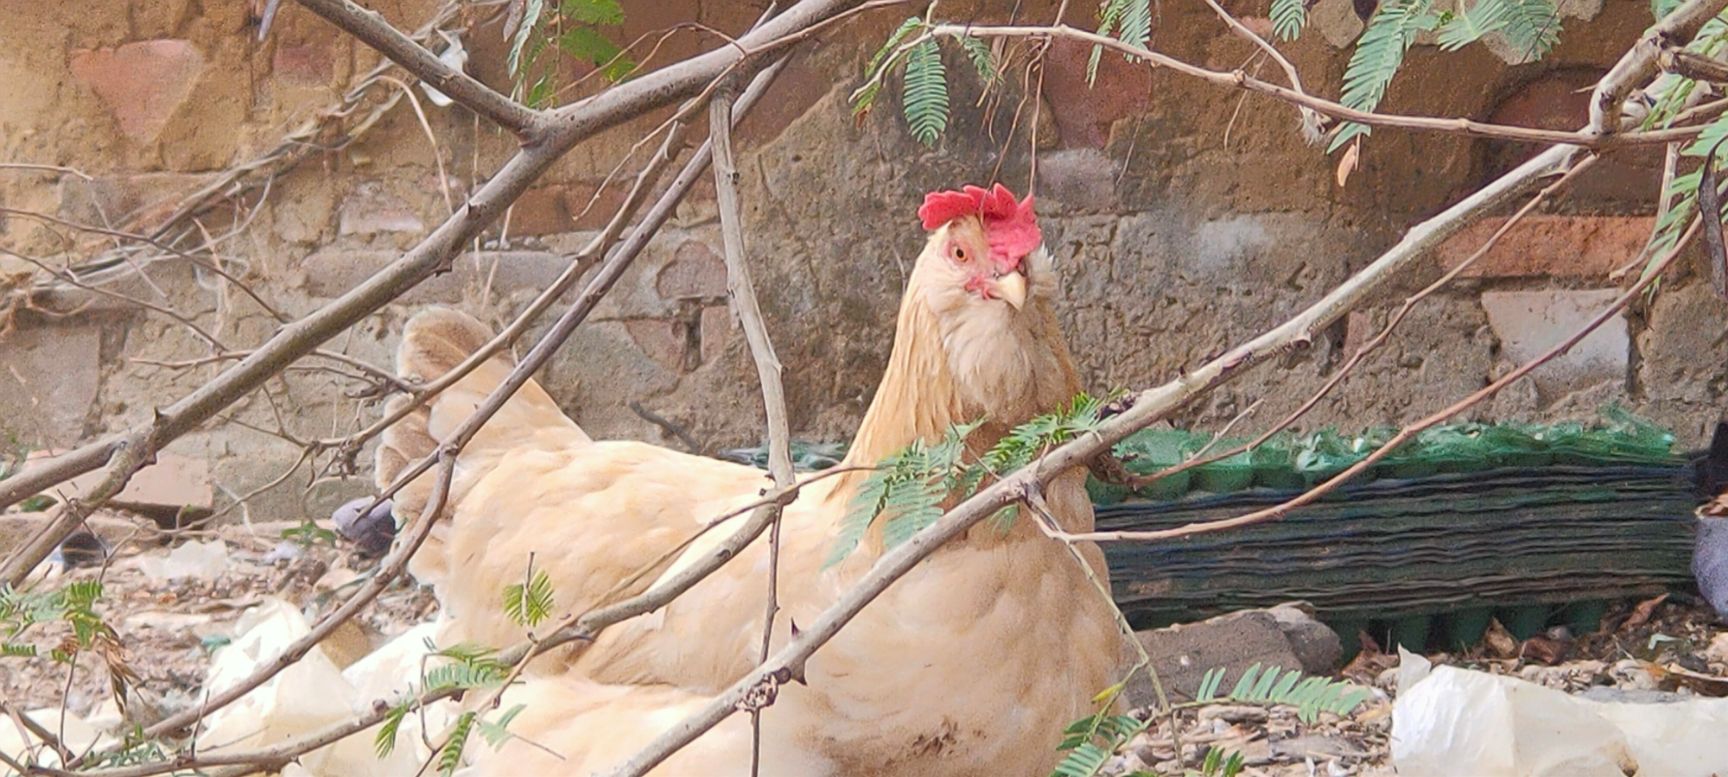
(286, 550)
(1635, 696)
(1182, 654)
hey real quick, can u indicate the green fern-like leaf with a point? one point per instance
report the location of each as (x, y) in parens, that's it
(1113, 19)
(911, 508)
(529, 605)
(1471, 24)
(885, 58)
(1378, 55)
(450, 755)
(925, 96)
(1288, 18)
(589, 45)
(497, 732)
(1532, 26)
(1135, 28)
(385, 741)
(1661, 8)
(17, 650)
(1083, 761)
(979, 52)
(464, 676)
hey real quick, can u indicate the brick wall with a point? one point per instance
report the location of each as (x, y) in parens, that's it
(1183, 218)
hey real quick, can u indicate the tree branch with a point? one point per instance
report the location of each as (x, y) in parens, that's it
(743, 293)
(573, 124)
(1608, 103)
(372, 29)
(1241, 80)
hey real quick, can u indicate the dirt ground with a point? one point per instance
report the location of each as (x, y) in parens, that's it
(169, 629)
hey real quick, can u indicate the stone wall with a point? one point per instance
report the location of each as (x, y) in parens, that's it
(1184, 218)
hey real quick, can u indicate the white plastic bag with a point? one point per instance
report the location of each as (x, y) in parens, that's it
(1449, 721)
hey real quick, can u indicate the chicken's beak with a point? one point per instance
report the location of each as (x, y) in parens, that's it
(1012, 288)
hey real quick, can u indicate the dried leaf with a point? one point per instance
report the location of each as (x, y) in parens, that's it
(1710, 211)
(1545, 649)
(1500, 642)
(1643, 612)
(1347, 164)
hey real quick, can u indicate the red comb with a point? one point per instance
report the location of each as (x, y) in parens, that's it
(1010, 226)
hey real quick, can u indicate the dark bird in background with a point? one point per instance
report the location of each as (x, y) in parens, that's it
(1710, 553)
(81, 549)
(371, 531)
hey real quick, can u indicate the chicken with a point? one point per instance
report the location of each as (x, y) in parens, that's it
(971, 664)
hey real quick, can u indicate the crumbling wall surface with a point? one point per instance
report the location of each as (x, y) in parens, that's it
(1183, 217)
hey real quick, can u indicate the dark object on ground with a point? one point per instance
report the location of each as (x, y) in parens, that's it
(1710, 563)
(372, 532)
(1286, 636)
(82, 549)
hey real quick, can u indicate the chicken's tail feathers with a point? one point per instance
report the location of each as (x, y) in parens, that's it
(435, 342)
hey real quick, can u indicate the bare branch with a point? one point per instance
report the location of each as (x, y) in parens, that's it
(1608, 103)
(743, 292)
(372, 29)
(573, 124)
(1241, 80)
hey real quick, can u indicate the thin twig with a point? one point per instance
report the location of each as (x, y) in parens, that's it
(1241, 80)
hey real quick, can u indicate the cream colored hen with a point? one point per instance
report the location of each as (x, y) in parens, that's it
(970, 665)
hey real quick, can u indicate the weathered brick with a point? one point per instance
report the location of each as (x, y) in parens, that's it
(695, 272)
(716, 331)
(1084, 112)
(1551, 246)
(663, 339)
(1528, 323)
(142, 83)
(371, 210)
(541, 211)
(175, 479)
(49, 380)
(333, 272)
(1684, 354)
(1077, 179)
(307, 65)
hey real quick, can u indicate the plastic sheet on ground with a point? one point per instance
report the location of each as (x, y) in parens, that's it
(313, 693)
(1449, 721)
(202, 560)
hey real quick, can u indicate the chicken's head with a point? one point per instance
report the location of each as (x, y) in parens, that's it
(982, 249)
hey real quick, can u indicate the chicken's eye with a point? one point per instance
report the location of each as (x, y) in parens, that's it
(958, 253)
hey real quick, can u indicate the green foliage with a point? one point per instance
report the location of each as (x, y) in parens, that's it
(1661, 8)
(1288, 18)
(982, 59)
(309, 533)
(450, 755)
(531, 604)
(1092, 740)
(924, 96)
(75, 604)
(1274, 686)
(883, 61)
(1129, 21)
(1532, 26)
(1471, 24)
(569, 27)
(1217, 764)
(497, 732)
(37, 503)
(1379, 53)
(910, 485)
(385, 741)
